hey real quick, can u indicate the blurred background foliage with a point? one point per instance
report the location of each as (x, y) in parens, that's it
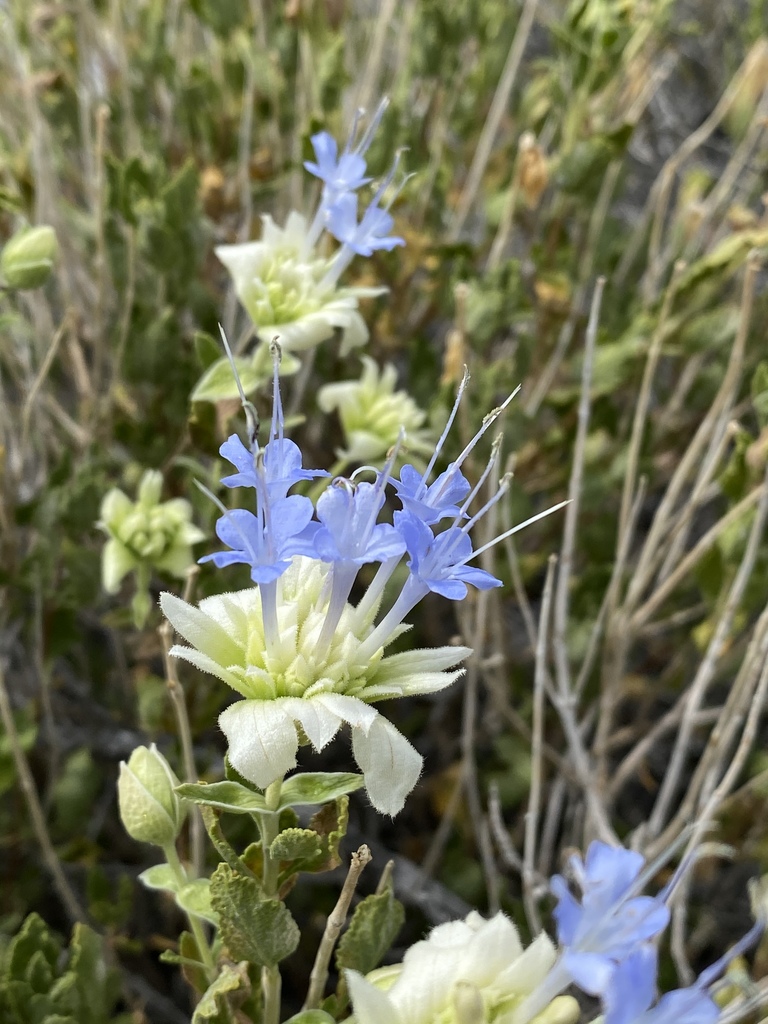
(550, 143)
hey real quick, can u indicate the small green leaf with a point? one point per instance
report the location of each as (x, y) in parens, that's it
(253, 927)
(207, 349)
(225, 796)
(317, 788)
(215, 1003)
(218, 382)
(195, 898)
(375, 923)
(297, 844)
(724, 258)
(160, 876)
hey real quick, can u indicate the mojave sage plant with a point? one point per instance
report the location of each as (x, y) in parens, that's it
(287, 284)
(304, 658)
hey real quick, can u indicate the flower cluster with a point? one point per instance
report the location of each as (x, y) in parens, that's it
(372, 414)
(145, 534)
(303, 657)
(287, 286)
(476, 971)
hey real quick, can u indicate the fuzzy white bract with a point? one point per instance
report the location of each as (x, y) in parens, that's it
(287, 291)
(146, 532)
(288, 684)
(373, 414)
(465, 972)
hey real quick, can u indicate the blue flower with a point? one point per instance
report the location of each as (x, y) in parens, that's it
(438, 563)
(632, 989)
(338, 174)
(610, 922)
(439, 500)
(349, 532)
(266, 543)
(367, 236)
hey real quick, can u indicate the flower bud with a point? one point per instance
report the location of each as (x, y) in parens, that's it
(468, 1005)
(150, 810)
(27, 258)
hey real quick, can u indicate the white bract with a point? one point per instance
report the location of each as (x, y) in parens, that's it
(287, 291)
(146, 532)
(466, 972)
(373, 414)
(299, 683)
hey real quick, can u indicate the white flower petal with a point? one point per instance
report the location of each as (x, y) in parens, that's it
(529, 969)
(349, 709)
(116, 562)
(390, 764)
(206, 664)
(318, 722)
(372, 1006)
(200, 630)
(262, 739)
(241, 260)
(355, 334)
(300, 335)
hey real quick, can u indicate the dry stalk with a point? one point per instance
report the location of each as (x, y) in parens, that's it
(490, 130)
(696, 693)
(67, 895)
(534, 801)
(563, 696)
(333, 926)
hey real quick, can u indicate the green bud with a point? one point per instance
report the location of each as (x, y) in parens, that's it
(149, 808)
(28, 257)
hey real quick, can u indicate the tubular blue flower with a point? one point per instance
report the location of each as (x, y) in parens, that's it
(441, 499)
(367, 236)
(610, 921)
(339, 174)
(349, 532)
(632, 989)
(439, 563)
(267, 546)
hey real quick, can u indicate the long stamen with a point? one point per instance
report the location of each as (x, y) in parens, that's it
(515, 529)
(488, 420)
(278, 422)
(443, 437)
(483, 477)
(500, 492)
(358, 115)
(251, 415)
(372, 128)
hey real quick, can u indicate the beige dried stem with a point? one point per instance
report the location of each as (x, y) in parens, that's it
(534, 799)
(499, 105)
(319, 975)
(563, 695)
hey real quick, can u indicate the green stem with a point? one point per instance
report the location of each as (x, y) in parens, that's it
(269, 826)
(270, 987)
(194, 922)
